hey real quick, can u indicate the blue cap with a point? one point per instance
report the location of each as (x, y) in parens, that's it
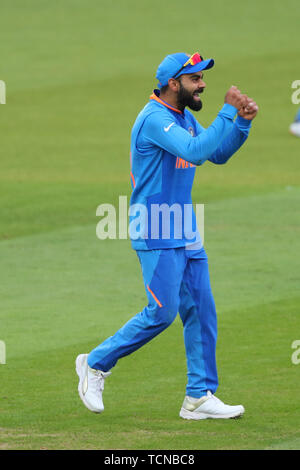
(172, 64)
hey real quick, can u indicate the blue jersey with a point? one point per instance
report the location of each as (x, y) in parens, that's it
(166, 147)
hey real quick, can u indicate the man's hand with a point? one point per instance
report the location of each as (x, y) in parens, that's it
(235, 98)
(249, 110)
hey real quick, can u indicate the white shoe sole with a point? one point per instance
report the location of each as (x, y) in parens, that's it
(81, 370)
(185, 414)
(295, 129)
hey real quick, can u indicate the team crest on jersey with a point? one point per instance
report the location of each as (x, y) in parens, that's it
(191, 131)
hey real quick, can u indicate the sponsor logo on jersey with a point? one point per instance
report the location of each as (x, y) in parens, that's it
(183, 164)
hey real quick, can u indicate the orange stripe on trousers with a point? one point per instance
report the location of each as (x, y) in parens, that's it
(154, 296)
(133, 180)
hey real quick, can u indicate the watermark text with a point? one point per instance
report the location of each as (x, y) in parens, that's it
(2, 352)
(2, 92)
(151, 222)
(296, 94)
(296, 354)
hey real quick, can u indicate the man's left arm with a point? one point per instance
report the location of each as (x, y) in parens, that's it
(236, 138)
(240, 131)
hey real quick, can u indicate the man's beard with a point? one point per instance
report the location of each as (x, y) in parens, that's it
(185, 98)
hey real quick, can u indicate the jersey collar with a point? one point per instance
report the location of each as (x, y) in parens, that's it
(155, 96)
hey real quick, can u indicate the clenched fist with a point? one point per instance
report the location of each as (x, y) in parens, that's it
(235, 98)
(249, 110)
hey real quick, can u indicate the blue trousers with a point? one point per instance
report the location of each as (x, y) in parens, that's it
(176, 280)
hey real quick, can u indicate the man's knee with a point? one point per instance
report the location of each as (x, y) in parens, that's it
(166, 315)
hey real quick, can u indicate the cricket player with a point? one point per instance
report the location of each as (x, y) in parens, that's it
(167, 145)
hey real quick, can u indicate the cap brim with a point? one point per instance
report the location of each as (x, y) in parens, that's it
(203, 65)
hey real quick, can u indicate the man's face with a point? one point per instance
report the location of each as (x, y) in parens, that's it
(191, 85)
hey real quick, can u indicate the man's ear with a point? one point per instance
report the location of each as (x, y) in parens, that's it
(173, 84)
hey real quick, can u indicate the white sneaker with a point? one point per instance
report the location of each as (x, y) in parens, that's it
(91, 384)
(208, 406)
(295, 128)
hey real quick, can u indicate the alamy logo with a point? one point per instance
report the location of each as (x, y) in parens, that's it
(156, 221)
(2, 92)
(2, 352)
(296, 354)
(295, 95)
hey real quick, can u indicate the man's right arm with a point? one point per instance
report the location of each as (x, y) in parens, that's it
(161, 130)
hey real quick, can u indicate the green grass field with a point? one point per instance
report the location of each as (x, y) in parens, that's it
(76, 76)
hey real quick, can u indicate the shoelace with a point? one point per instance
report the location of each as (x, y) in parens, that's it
(100, 376)
(210, 395)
